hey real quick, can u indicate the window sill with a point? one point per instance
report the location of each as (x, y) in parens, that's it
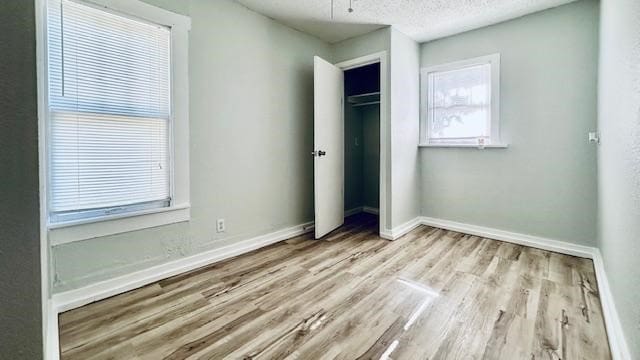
(465, 146)
(109, 225)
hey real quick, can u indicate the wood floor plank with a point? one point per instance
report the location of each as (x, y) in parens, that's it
(123, 333)
(319, 315)
(513, 330)
(154, 345)
(423, 337)
(90, 330)
(431, 294)
(71, 319)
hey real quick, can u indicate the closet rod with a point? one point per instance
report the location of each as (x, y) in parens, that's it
(367, 103)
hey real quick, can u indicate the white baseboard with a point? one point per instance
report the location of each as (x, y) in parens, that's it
(502, 235)
(101, 290)
(617, 342)
(52, 347)
(399, 231)
(512, 237)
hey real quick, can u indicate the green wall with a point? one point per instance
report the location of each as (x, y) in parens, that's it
(371, 155)
(370, 43)
(405, 127)
(20, 285)
(353, 157)
(544, 184)
(362, 160)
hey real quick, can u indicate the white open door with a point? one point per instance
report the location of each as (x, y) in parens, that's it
(328, 142)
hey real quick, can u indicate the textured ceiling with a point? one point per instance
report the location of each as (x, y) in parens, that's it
(422, 20)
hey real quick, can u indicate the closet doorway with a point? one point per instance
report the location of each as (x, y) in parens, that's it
(362, 139)
(350, 141)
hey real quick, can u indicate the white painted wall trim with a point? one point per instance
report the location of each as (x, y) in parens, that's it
(47, 340)
(512, 237)
(502, 235)
(401, 230)
(52, 346)
(617, 342)
(117, 224)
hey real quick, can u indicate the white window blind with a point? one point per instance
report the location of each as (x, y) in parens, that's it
(109, 112)
(459, 105)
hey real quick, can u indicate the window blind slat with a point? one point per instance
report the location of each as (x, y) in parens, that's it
(110, 110)
(106, 63)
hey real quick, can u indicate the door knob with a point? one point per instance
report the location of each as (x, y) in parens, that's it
(319, 153)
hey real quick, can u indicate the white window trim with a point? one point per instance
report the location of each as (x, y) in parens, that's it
(469, 146)
(494, 60)
(179, 208)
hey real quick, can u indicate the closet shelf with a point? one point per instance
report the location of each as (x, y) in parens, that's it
(364, 99)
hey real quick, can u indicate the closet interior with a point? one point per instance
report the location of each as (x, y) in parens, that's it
(362, 139)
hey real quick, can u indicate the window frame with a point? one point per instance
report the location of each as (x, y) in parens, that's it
(179, 205)
(494, 61)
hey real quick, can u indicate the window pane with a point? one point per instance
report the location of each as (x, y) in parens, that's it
(105, 63)
(459, 123)
(110, 113)
(100, 161)
(459, 103)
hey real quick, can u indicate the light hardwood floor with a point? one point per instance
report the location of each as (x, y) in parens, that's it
(432, 294)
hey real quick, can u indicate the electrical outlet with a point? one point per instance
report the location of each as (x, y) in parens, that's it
(220, 225)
